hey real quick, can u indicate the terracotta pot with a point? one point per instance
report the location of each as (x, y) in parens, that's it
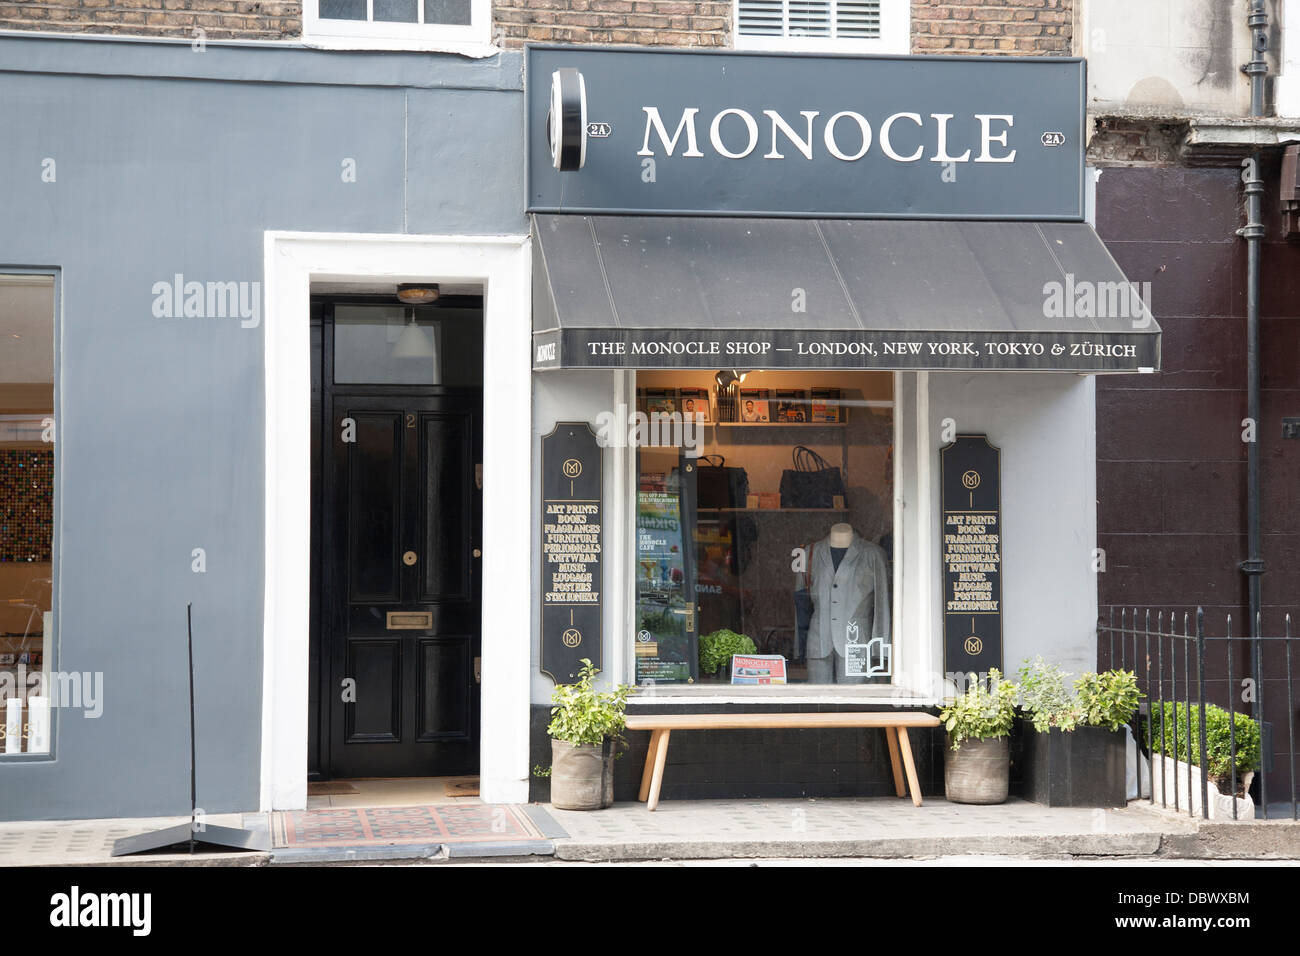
(578, 773)
(977, 773)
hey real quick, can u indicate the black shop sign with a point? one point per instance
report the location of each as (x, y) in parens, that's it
(971, 532)
(571, 550)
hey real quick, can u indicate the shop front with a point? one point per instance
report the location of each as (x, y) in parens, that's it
(814, 348)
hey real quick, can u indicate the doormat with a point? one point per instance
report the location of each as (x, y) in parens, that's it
(461, 786)
(326, 788)
(382, 826)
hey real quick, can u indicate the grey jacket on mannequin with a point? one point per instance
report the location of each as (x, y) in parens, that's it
(857, 593)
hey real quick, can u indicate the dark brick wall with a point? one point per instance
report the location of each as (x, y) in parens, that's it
(758, 763)
(1171, 463)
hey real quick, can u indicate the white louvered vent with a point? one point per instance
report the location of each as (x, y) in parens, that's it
(832, 19)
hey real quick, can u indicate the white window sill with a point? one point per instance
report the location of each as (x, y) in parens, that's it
(474, 49)
(787, 694)
(821, 45)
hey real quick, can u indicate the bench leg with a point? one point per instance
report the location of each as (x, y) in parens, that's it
(912, 783)
(891, 736)
(661, 756)
(649, 765)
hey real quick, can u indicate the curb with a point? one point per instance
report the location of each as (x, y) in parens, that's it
(892, 848)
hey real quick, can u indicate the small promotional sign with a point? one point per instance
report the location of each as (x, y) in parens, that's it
(757, 669)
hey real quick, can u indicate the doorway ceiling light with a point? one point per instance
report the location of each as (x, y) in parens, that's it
(414, 342)
(417, 293)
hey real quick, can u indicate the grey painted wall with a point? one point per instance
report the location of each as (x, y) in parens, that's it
(173, 161)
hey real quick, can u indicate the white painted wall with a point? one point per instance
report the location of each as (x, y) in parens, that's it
(1045, 425)
(1172, 57)
(1287, 90)
(579, 396)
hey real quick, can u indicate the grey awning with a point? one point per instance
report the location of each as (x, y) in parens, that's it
(670, 292)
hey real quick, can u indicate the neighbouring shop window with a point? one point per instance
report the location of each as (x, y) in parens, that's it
(27, 443)
(397, 23)
(859, 26)
(764, 528)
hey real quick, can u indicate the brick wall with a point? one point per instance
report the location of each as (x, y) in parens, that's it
(938, 26)
(1002, 27)
(1118, 141)
(641, 22)
(218, 19)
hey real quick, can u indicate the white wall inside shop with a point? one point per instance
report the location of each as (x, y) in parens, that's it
(1045, 426)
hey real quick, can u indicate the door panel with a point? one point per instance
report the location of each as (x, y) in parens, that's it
(445, 701)
(446, 445)
(377, 667)
(374, 490)
(402, 597)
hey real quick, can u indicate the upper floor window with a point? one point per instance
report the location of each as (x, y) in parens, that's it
(837, 26)
(457, 26)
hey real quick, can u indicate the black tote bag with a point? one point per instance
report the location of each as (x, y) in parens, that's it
(813, 482)
(719, 486)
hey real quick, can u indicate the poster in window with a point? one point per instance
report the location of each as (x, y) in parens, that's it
(665, 645)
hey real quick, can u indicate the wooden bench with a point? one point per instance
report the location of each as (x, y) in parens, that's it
(895, 725)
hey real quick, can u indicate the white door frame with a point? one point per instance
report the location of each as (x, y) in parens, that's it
(502, 264)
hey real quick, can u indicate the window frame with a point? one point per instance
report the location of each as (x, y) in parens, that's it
(895, 35)
(472, 40)
(902, 657)
(50, 661)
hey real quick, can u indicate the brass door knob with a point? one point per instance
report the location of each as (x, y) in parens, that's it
(409, 558)
(478, 553)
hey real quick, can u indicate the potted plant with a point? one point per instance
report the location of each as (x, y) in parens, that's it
(585, 722)
(1180, 767)
(717, 649)
(1074, 751)
(977, 764)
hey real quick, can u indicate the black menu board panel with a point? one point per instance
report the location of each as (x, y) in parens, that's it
(970, 515)
(571, 550)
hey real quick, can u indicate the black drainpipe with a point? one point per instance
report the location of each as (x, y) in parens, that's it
(1253, 232)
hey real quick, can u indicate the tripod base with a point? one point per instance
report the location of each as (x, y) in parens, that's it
(184, 836)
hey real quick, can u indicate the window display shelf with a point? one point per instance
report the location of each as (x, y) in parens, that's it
(843, 424)
(772, 510)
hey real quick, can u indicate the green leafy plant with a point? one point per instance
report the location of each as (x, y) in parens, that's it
(982, 712)
(1046, 698)
(1219, 730)
(1107, 699)
(717, 648)
(584, 715)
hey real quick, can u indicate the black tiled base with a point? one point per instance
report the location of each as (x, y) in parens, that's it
(773, 764)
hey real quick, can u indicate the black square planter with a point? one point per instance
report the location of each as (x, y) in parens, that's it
(1084, 767)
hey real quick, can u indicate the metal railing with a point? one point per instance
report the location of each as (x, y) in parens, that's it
(1178, 663)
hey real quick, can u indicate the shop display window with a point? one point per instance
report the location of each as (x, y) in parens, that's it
(27, 432)
(764, 528)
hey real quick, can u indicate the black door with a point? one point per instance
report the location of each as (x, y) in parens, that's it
(402, 515)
